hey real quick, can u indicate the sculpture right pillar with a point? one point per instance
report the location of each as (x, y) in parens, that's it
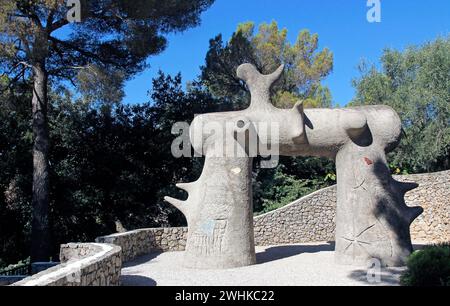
(372, 219)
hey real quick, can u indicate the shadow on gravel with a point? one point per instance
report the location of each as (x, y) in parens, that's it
(388, 277)
(141, 260)
(284, 251)
(136, 280)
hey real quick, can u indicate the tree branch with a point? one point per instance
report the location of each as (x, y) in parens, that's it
(12, 81)
(86, 53)
(24, 64)
(57, 70)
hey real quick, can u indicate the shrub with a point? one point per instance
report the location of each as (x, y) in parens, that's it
(428, 267)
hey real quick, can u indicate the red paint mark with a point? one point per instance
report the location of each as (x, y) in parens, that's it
(368, 161)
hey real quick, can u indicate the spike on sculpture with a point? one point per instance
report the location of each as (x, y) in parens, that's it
(372, 219)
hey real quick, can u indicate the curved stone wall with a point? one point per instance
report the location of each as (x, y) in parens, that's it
(147, 240)
(312, 218)
(82, 264)
(433, 194)
(309, 219)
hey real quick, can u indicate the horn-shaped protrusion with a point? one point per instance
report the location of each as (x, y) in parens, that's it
(248, 73)
(274, 76)
(258, 84)
(180, 205)
(185, 186)
(299, 107)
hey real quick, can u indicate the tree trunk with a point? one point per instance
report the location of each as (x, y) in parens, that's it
(40, 231)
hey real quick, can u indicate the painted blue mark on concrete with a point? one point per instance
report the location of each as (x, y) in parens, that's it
(208, 227)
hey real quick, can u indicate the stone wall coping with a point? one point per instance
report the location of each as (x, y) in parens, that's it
(63, 270)
(139, 230)
(438, 173)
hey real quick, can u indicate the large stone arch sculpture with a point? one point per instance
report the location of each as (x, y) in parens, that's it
(372, 219)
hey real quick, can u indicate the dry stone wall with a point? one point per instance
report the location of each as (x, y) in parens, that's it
(82, 264)
(311, 218)
(147, 240)
(433, 194)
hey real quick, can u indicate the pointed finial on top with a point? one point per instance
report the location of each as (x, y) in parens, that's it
(259, 84)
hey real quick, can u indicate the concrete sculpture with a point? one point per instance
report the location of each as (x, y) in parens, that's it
(372, 218)
(219, 209)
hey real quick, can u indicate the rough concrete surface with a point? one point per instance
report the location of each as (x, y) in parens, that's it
(311, 264)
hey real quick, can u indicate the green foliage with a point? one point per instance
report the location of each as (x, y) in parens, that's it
(280, 189)
(109, 45)
(416, 84)
(108, 164)
(428, 267)
(396, 170)
(15, 178)
(292, 179)
(306, 66)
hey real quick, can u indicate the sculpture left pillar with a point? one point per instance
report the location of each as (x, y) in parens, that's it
(219, 210)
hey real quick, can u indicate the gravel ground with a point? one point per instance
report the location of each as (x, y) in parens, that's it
(304, 264)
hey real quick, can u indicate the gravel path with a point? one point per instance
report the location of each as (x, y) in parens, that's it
(305, 264)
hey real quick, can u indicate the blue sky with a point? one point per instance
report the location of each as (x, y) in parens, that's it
(341, 24)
